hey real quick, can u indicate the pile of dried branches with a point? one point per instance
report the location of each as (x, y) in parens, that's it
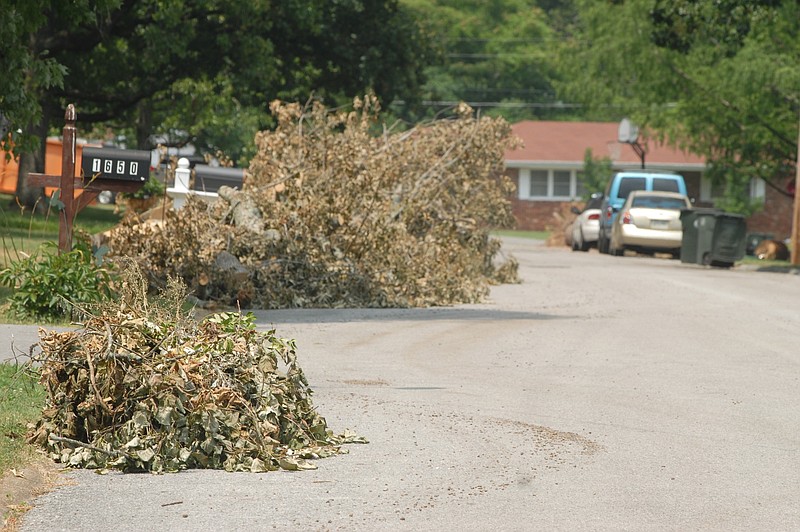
(143, 387)
(338, 210)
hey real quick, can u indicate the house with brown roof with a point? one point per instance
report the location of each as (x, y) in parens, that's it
(546, 170)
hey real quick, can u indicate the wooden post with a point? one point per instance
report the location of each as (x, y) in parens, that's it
(67, 184)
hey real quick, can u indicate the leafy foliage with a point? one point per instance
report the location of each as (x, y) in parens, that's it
(730, 92)
(498, 53)
(152, 187)
(28, 70)
(337, 211)
(51, 286)
(144, 387)
(596, 173)
(196, 71)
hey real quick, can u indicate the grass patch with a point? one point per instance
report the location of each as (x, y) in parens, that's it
(21, 401)
(23, 231)
(763, 262)
(535, 235)
(767, 265)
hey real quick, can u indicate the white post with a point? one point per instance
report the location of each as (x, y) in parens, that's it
(181, 189)
(182, 174)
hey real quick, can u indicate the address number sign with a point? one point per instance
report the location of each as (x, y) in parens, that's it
(113, 163)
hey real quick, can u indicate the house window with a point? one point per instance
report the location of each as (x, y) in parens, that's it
(562, 182)
(713, 191)
(549, 184)
(539, 183)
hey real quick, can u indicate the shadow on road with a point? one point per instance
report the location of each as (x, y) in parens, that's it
(366, 315)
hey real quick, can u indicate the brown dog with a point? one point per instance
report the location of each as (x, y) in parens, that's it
(772, 250)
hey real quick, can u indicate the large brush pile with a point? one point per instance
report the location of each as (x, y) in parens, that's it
(338, 210)
(142, 387)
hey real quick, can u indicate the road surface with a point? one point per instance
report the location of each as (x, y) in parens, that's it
(602, 393)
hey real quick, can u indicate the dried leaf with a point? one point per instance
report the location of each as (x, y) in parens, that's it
(220, 403)
(333, 215)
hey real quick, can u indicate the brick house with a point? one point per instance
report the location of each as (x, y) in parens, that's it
(547, 167)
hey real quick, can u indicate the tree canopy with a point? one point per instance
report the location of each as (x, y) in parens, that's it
(200, 71)
(495, 55)
(717, 77)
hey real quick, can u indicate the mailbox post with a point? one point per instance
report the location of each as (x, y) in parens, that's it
(118, 171)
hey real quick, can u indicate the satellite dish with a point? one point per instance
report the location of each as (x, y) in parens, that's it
(628, 133)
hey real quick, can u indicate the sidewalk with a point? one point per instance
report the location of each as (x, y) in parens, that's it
(16, 341)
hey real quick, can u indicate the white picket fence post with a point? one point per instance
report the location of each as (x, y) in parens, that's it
(179, 192)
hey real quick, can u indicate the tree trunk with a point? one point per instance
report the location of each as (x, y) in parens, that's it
(144, 124)
(245, 212)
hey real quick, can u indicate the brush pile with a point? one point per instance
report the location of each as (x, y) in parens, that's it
(338, 210)
(143, 387)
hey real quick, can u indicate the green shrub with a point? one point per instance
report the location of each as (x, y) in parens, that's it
(49, 286)
(151, 187)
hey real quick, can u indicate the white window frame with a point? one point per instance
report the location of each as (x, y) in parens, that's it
(524, 189)
(758, 189)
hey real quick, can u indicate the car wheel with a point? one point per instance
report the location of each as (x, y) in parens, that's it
(574, 245)
(602, 243)
(583, 245)
(614, 249)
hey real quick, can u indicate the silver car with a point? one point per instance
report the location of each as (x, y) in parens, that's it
(649, 222)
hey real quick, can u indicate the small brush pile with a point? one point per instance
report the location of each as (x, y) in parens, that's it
(144, 387)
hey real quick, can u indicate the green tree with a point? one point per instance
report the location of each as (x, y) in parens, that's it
(596, 173)
(29, 71)
(496, 55)
(199, 71)
(717, 77)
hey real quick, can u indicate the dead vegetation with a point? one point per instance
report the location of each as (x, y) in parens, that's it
(142, 386)
(341, 211)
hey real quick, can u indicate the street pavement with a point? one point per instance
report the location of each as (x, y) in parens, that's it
(601, 393)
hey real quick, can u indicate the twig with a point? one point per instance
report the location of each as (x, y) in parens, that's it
(94, 383)
(81, 444)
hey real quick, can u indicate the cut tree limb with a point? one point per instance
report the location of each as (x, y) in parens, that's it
(245, 212)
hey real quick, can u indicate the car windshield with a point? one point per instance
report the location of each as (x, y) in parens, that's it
(658, 202)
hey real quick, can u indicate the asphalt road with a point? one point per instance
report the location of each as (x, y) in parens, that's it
(602, 393)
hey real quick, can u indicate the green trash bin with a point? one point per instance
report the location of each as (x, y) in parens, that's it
(712, 237)
(729, 241)
(698, 233)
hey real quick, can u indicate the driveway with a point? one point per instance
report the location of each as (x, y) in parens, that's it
(602, 393)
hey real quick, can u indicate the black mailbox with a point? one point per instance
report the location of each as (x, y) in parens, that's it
(113, 163)
(210, 178)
